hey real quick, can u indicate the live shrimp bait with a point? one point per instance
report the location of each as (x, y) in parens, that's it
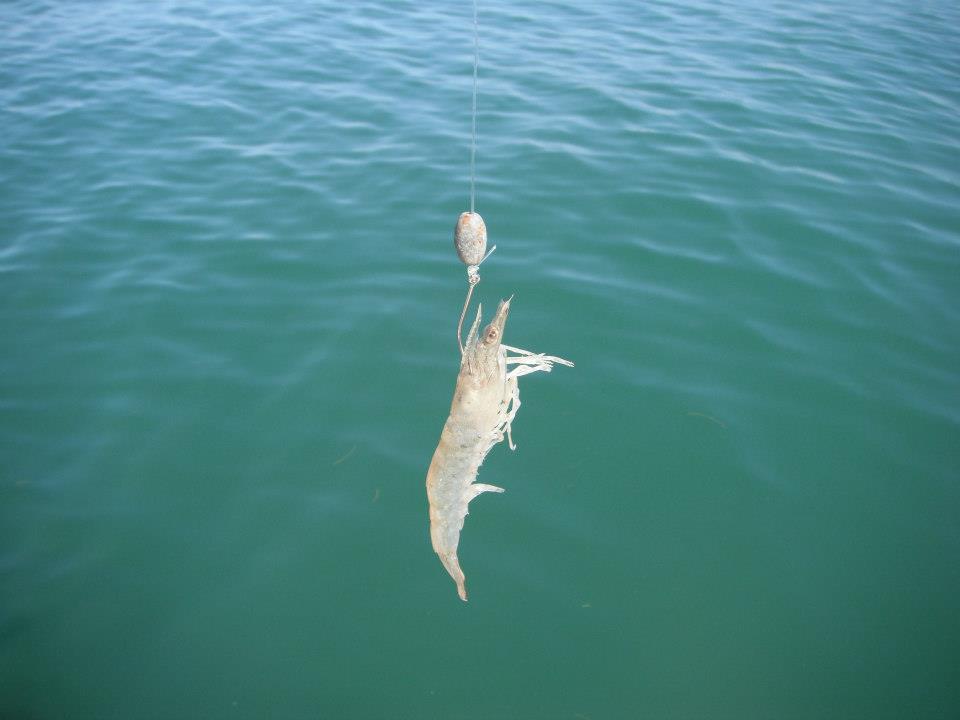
(487, 394)
(485, 403)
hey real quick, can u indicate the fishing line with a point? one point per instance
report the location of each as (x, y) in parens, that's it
(473, 140)
(470, 234)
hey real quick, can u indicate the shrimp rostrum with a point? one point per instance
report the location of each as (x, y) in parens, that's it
(485, 402)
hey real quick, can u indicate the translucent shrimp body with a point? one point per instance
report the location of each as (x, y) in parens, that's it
(485, 402)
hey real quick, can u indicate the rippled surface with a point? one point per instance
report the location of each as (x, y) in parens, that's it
(228, 300)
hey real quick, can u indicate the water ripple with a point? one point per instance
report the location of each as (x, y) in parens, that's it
(229, 297)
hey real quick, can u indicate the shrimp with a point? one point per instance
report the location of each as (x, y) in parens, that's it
(485, 402)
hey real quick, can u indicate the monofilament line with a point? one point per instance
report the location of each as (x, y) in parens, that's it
(473, 142)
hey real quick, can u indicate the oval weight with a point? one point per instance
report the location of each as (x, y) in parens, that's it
(470, 238)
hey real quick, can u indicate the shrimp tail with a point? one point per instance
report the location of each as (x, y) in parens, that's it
(452, 564)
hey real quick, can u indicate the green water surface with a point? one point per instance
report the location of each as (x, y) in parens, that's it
(228, 296)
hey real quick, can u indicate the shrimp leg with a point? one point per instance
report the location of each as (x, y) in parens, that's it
(533, 363)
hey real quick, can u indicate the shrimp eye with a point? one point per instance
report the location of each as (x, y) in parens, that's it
(491, 334)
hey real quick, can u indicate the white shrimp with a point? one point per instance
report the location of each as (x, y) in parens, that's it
(485, 402)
